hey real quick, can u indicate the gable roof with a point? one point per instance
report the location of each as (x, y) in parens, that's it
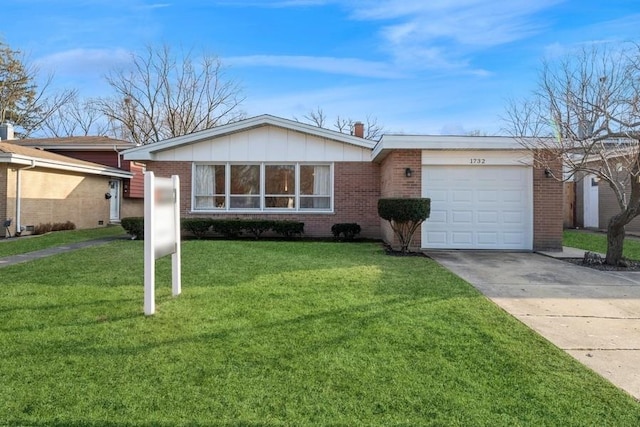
(18, 155)
(76, 143)
(146, 152)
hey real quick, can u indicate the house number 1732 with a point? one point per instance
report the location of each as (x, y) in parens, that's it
(477, 161)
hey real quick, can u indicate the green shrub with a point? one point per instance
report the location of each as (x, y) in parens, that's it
(56, 226)
(348, 231)
(196, 226)
(257, 226)
(229, 228)
(134, 226)
(404, 216)
(288, 229)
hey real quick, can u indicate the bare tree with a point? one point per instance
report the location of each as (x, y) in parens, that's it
(164, 96)
(77, 117)
(22, 102)
(586, 112)
(317, 117)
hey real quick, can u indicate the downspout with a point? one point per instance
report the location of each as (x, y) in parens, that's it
(115, 148)
(19, 194)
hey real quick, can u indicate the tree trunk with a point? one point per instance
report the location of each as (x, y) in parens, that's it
(615, 241)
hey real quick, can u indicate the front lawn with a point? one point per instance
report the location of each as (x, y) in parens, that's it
(274, 334)
(21, 245)
(597, 242)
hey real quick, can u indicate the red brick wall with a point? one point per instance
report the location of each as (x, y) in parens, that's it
(395, 183)
(547, 208)
(356, 194)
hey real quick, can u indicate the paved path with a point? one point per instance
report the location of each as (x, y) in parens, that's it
(592, 315)
(29, 256)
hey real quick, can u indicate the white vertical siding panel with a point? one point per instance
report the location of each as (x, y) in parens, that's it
(220, 149)
(296, 146)
(239, 147)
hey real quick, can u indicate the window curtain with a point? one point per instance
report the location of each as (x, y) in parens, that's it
(205, 186)
(321, 186)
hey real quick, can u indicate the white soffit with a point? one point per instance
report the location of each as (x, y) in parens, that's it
(444, 142)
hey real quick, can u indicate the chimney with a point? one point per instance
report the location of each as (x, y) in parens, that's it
(358, 129)
(6, 131)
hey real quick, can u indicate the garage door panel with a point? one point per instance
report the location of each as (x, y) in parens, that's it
(488, 217)
(488, 238)
(462, 237)
(436, 237)
(478, 207)
(462, 217)
(487, 196)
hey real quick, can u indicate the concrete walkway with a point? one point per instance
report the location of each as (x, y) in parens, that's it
(592, 315)
(29, 256)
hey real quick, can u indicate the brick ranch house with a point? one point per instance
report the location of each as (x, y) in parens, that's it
(484, 192)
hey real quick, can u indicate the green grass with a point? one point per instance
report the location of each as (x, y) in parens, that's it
(21, 245)
(278, 334)
(597, 242)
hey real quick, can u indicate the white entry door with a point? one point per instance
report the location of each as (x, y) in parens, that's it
(114, 191)
(590, 191)
(478, 207)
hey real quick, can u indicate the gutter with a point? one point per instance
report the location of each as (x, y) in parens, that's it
(19, 194)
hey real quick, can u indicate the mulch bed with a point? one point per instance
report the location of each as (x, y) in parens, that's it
(631, 265)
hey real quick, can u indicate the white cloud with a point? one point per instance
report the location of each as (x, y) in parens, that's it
(442, 33)
(345, 66)
(84, 61)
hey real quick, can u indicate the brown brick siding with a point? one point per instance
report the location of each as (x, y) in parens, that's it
(394, 183)
(547, 208)
(356, 193)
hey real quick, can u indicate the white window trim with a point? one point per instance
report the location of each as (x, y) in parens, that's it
(262, 210)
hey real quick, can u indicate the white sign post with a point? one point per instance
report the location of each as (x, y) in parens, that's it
(161, 233)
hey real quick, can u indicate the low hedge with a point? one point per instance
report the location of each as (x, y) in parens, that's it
(347, 230)
(229, 228)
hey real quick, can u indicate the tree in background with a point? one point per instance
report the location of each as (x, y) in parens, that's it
(586, 113)
(22, 102)
(163, 96)
(77, 117)
(317, 117)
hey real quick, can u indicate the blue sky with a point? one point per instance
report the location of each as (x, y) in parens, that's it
(418, 66)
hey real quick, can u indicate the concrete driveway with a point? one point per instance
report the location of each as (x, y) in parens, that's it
(592, 315)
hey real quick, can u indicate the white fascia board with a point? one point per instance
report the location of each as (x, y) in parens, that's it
(146, 152)
(444, 142)
(52, 164)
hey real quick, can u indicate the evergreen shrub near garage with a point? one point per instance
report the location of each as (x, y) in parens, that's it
(405, 216)
(347, 230)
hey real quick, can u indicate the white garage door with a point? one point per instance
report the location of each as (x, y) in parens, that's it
(478, 207)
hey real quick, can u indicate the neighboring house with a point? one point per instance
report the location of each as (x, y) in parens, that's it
(126, 193)
(484, 192)
(39, 187)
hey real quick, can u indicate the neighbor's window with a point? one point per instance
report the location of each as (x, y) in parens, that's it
(266, 187)
(209, 191)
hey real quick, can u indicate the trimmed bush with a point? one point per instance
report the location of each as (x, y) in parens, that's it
(404, 216)
(229, 228)
(56, 226)
(347, 230)
(199, 227)
(134, 226)
(288, 229)
(257, 226)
